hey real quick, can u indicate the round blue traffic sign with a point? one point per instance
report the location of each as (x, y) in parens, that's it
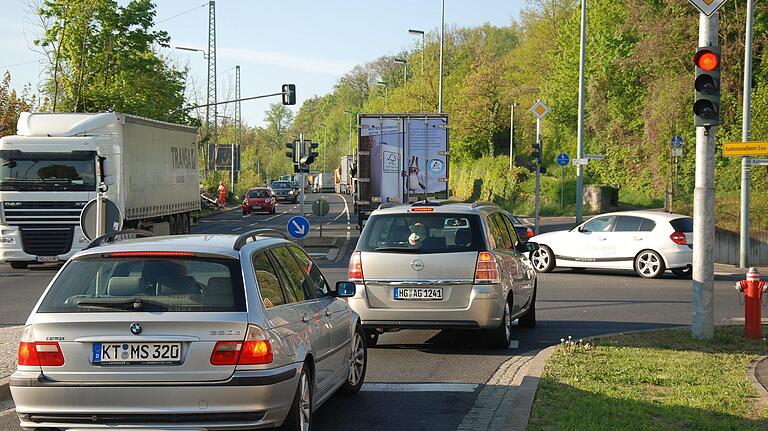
(298, 227)
(563, 159)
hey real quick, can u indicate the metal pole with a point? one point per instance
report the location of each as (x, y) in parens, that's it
(580, 140)
(704, 209)
(442, 37)
(538, 175)
(303, 179)
(100, 215)
(746, 135)
(512, 137)
(423, 48)
(349, 146)
(562, 186)
(325, 145)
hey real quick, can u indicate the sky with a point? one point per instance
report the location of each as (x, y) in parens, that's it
(308, 43)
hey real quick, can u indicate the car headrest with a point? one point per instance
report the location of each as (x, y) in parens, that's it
(219, 286)
(185, 285)
(463, 237)
(125, 286)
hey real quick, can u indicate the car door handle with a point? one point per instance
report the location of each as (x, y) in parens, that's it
(602, 238)
(637, 238)
(305, 318)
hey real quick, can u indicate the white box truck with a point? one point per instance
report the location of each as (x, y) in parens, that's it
(323, 183)
(344, 180)
(51, 169)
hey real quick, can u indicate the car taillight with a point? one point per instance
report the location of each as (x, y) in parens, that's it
(41, 353)
(486, 269)
(254, 350)
(529, 232)
(355, 270)
(678, 238)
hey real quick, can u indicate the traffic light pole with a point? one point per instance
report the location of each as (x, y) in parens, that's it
(300, 150)
(538, 176)
(746, 133)
(704, 208)
(580, 138)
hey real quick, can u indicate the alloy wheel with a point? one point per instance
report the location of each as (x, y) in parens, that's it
(358, 360)
(648, 264)
(305, 403)
(507, 322)
(540, 259)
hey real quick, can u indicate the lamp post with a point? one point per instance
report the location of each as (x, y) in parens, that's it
(325, 143)
(231, 160)
(384, 84)
(512, 137)
(413, 32)
(207, 108)
(404, 62)
(442, 43)
(349, 148)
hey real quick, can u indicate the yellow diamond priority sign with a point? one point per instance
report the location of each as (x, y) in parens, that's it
(740, 149)
(539, 109)
(707, 7)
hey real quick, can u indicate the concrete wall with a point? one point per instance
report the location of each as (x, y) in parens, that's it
(727, 247)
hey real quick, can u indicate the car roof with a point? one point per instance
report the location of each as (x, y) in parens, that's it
(219, 244)
(655, 215)
(438, 208)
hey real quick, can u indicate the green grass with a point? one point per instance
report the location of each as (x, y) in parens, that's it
(656, 380)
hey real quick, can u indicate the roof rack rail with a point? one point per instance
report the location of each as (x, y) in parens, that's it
(119, 235)
(386, 205)
(481, 204)
(251, 235)
(426, 203)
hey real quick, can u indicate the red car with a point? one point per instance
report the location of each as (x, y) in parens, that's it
(259, 199)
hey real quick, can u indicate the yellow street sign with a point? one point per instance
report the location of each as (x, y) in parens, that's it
(540, 109)
(707, 7)
(737, 149)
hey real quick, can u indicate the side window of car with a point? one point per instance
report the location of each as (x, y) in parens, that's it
(269, 284)
(512, 231)
(628, 224)
(494, 234)
(503, 239)
(319, 285)
(600, 224)
(647, 225)
(298, 285)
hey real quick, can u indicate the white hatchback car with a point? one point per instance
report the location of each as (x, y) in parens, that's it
(647, 242)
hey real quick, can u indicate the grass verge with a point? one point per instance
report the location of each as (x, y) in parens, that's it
(656, 380)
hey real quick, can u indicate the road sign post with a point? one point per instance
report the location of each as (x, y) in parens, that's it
(320, 208)
(563, 160)
(676, 146)
(539, 110)
(746, 134)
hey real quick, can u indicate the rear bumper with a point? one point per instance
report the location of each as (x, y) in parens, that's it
(678, 257)
(485, 311)
(250, 399)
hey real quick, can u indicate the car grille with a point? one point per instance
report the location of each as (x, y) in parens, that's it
(137, 419)
(44, 241)
(42, 213)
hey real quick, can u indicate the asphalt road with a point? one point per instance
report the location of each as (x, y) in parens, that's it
(569, 303)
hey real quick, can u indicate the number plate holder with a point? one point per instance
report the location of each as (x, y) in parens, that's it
(107, 354)
(418, 294)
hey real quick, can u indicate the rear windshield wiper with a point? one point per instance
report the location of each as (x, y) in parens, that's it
(393, 248)
(134, 303)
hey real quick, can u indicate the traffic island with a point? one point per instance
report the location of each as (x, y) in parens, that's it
(661, 379)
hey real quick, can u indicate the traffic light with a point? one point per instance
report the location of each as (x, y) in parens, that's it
(310, 155)
(289, 94)
(536, 153)
(292, 153)
(706, 104)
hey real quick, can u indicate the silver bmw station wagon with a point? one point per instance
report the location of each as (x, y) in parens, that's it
(201, 332)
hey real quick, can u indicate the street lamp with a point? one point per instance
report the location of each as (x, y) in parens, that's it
(512, 137)
(349, 148)
(404, 62)
(325, 144)
(413, 32)
(211, 136)
(442, 42)
(384, 84)
(183, 48)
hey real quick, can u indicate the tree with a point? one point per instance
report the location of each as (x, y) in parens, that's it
(12, 104)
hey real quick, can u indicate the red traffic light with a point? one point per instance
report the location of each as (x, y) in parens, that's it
(707, 60)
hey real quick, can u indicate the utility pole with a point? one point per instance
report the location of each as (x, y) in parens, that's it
(301, 150)
(238, 124)
(512, 137)
(704, 207)
(442, 42)
(325, 144)
(580, 139)
(423, 48)
(746, 135)
(210, 117)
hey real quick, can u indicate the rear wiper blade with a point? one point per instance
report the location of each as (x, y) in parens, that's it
(393, 248)
(134, 303)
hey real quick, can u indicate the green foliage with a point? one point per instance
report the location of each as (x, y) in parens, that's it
(11, 104)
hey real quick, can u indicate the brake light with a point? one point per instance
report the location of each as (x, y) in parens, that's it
(486, 269)
(255, 350)
(355, 270)
(41, 353)
(678, 238)
(152, 254)
(422, 209)
(529, 232)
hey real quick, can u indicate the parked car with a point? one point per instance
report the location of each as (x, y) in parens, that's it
(194, 332)
(447, 266)
(647, 242)
(284, 191)
(259, 199)
(524, 231)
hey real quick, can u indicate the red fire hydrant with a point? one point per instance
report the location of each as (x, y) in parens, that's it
(753, 290)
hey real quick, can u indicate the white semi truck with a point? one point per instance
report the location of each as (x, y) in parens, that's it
(53, 166)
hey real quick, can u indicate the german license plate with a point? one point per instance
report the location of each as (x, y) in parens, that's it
(257, 207)
(47, 259)
(419, 293)
(136, 353)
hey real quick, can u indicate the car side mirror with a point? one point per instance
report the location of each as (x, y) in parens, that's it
(531, 246)
(345, 289)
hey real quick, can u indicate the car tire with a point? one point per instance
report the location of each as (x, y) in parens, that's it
(543, 259)
(685, 272)
(501, 337)
(19, 265)
(186, 227)
(173, 225)
(649, 264)
(358, 364)
(371, 338)
(528, 320)
(245, 212)
(300, 416)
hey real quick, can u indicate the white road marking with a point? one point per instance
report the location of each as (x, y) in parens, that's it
(419, 387)
(278, 215)
(236, 229)
(346, 208)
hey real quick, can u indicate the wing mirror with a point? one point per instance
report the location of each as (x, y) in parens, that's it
(345, 289)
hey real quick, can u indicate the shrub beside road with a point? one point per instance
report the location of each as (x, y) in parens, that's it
(652, 380)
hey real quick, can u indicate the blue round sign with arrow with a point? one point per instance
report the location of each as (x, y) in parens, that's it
(298, 227)
(563, 159)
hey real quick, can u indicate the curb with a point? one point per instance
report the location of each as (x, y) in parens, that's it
(518, 416)
(752, 376)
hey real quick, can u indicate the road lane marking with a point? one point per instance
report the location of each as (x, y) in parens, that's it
(419, 387)
(278, 215)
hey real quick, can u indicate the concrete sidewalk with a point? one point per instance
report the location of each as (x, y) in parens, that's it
(9, 347)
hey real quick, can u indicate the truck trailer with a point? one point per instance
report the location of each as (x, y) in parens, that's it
(51, 169)
(401, 158)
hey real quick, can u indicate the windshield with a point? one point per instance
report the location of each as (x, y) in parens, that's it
(258, 194)
(281, 185)
(93, 285)
(422, 233)
(47, 175)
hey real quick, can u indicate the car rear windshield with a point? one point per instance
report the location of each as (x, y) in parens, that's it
(422, 233)
(258, 194)
(91, 285)
(684, 224)
(281, 185)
